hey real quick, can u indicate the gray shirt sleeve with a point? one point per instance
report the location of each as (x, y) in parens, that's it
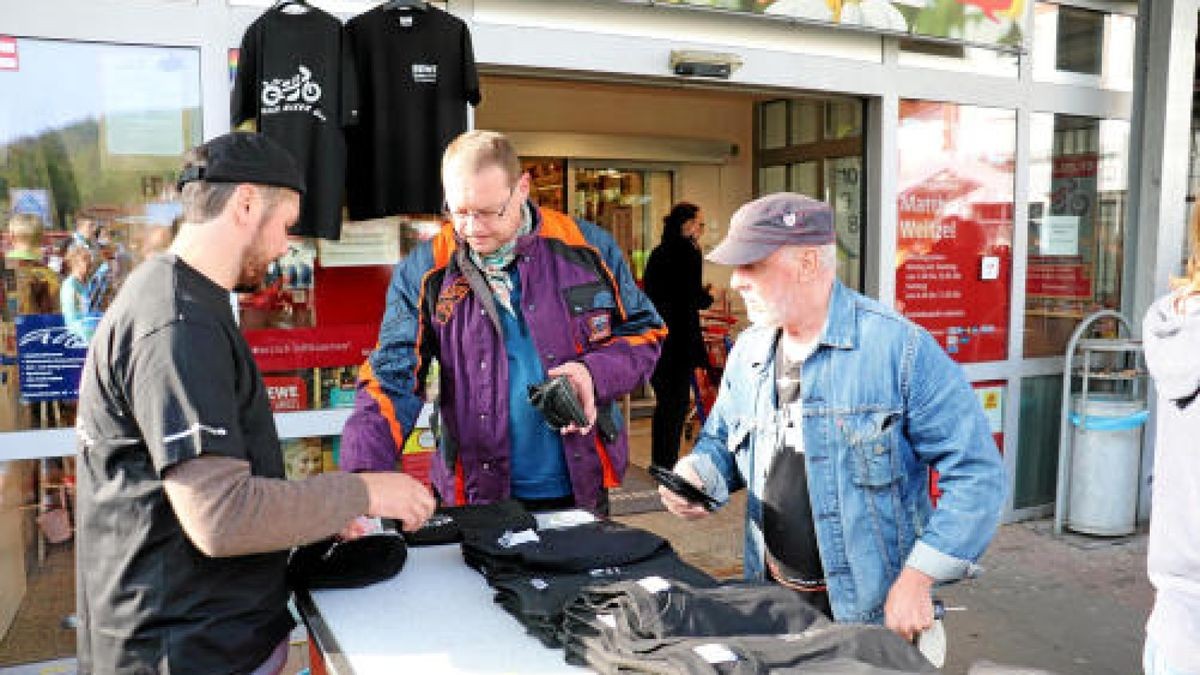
(225, 511)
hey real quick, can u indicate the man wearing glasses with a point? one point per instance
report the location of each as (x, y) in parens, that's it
(506, 296)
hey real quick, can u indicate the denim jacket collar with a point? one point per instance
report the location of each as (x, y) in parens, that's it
(841, 326)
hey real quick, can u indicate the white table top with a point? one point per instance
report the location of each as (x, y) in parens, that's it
(435, 617)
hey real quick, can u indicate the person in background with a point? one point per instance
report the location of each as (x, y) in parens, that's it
(506, 295)
(73, 299)
(84, 236)
(831, 412)
(36, 284)
(1171, 331)
(673, 280)
(184, 516)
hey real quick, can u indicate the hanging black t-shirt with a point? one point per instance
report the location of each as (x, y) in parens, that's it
(416, 75)
(296, 79)
(169, 377)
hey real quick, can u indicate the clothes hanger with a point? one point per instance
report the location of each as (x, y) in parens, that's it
(299, 6)
(418, 5)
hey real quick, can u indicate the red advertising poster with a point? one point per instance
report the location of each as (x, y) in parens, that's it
(287, 394)
(954, 239)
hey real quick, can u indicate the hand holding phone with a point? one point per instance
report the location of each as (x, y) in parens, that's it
(680, 486)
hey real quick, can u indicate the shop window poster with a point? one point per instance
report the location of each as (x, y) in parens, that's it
(286, 297)
(50, 358)
(954, 235)
(992, 23)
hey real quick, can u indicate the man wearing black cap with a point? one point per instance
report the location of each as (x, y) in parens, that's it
(831, 412)
(184, 518)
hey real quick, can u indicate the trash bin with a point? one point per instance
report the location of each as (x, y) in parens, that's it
(1105, 463)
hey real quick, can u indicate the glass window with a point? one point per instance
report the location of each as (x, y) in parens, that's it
(822, 159)
(807, 120)
(1080, 40)
(630, 203)
(89, 179)
(806, 179)
(843, 119)
(1082, 46)
(772, 179)
(955, 208)
(843, 190)
(958, 57)
(1077, 192)
(88, 161)
(1037, 454)
(773, 129)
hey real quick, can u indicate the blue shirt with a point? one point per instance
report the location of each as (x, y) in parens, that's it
(539, 470)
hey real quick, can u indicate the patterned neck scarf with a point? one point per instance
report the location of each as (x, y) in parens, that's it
(494, 265)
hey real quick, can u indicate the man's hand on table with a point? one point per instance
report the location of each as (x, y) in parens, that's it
(399, 496)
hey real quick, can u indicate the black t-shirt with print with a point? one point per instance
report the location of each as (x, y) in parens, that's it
(296, 79)
(416, 75)
(789, 533)
(167, 378)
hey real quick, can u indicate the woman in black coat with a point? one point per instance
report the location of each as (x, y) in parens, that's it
(673, 282)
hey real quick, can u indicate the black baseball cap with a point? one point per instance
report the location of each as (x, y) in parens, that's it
(245, 157)
(760, 227)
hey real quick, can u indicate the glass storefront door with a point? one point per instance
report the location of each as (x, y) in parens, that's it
(87, 172)
(814, 146)
(627, 200)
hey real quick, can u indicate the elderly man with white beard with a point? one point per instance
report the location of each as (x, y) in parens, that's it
(832, 410)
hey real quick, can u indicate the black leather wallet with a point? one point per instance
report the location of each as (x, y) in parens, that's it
(556, 400)
(677, 484)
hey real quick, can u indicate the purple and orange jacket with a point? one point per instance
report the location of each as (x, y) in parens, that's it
(581, 304)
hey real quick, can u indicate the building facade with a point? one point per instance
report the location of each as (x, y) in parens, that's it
(997, 178)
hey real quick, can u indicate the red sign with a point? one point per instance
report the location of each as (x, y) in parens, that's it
(954, 261)
(286, 393)
(9, 58)
(1063, 277)
(321, 347)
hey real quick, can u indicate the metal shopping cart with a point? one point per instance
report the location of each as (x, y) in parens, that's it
(716, 327)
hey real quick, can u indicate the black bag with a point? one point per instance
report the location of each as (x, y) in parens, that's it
(331, 563)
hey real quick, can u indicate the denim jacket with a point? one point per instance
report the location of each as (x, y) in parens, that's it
(882, 403)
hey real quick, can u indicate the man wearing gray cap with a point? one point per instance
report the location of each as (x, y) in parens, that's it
(184, 518)
(831, 412)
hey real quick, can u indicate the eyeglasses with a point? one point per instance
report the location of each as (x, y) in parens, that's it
(485, 215)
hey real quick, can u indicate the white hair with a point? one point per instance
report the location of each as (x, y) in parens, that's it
(828, 256)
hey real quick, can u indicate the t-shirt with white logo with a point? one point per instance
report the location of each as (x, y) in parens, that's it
(416, 73)
(295, 78)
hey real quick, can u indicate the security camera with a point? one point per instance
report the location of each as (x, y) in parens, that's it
(704, 64)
